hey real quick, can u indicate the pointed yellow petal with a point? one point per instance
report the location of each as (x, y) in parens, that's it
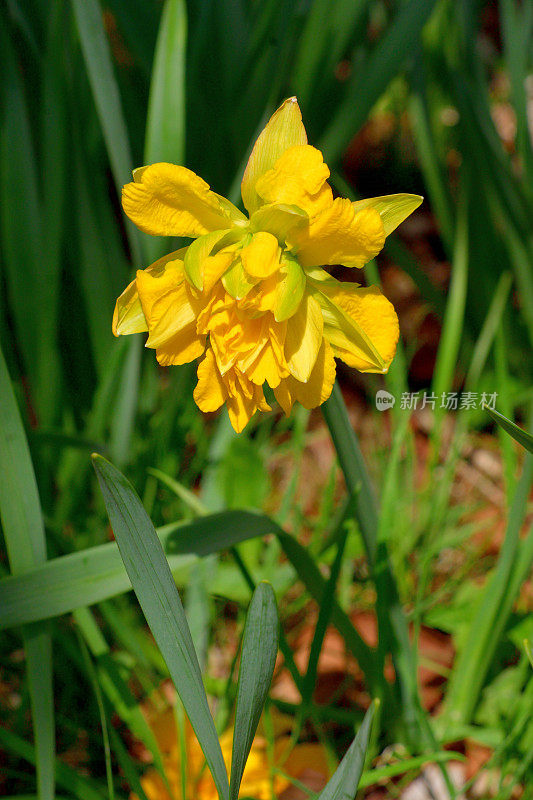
(284, 397)
(165, 303)
(210, 391)
(267, 367)
(284, 129)
(303, 338)
(318, 388)
(393, 208)
(128, 316)
(167, 200)
(299, 178)
(182, 348)
(261, 257)
(232, 211)
(361, 325)
(339, 235)
(241, 409)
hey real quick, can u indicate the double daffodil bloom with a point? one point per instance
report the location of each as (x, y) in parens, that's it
(250, 295)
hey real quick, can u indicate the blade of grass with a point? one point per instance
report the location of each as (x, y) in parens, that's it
(258, 658)
(488, 623)
(67, 777)
(504, 395)
(375, 75)
(126, 402)
(345, 782)
(156, 591)
(324, 615)
(450, 339)
(103, 719)
(373, 776)
(95, 47)
(21, 225)
(97, 573)
(165, 123)
(517, 30)
(310, 575)
(327, 27)
(519, 435)
(423, 133)
(393, 629)
(22, 523)
(108, 677)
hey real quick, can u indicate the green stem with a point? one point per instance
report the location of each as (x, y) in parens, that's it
(393, 627)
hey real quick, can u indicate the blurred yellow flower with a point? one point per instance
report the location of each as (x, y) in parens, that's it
(306, 763)
(250, 294)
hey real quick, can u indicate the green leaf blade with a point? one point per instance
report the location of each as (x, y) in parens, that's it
(522, 437)
(158, 597)
(22, 522)
(259, 650)
(344, 783)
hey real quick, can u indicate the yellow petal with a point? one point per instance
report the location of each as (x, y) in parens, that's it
(232, 211)
(165, 303)
(307, 762)
(167, 200)
(284, 397)
(267, 367)
(393, 208)
(181, 348)
(339, 235)
(241, 408)
(318, 388)
(261, 257)
(283, 130)
(128, 316)
(303, 338)
(210, 392)
(297, 178)
(361, 325)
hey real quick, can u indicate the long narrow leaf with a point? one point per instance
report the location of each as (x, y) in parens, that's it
(487, 624)
(22, 523)
(96, 574)
(165, 124)
(345, 782)
(519, 435)
(106, 95)
(374, 77)
(259, 650)
(156, 591)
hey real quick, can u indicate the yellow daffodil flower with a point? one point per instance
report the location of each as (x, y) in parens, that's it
(250, 296)
(306, 763)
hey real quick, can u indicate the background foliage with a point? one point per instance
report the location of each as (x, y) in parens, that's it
(90, 90)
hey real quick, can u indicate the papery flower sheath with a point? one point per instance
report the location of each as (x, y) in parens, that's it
(250, 295)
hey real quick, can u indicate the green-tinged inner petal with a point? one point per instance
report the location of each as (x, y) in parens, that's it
(283, 130)
(278, 219)
(392, 208)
